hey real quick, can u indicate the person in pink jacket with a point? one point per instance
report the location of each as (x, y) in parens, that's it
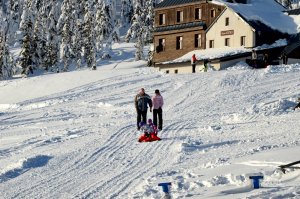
(157, 102)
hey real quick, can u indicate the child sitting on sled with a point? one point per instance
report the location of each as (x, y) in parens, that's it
(150, 132)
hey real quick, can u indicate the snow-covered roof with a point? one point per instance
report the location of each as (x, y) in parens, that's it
(268, 12)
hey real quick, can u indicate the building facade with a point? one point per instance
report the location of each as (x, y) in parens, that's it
(230, 30)
(180, 27)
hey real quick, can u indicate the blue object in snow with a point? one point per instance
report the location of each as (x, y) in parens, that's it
(165, 186)
(255, 180)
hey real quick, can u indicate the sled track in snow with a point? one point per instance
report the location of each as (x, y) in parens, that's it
(149, 156)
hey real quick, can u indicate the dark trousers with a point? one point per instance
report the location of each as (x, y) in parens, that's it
(140, 115)
(194, 68)
(158, 112)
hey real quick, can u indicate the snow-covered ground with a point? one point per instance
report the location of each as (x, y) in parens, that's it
(73, 135)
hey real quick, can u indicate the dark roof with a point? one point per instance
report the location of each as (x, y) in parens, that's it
(167, 3)
(180, 26)
(259, 26)
(293, 43)
(293, 12)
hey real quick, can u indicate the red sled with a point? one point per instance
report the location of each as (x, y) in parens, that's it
(149, 138)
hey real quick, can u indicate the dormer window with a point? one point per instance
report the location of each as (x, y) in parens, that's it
(162, 19)
(179, 16)
(198, 13)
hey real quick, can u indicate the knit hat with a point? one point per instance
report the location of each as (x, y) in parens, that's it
(142, 90)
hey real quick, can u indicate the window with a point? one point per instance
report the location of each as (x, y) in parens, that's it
(179, 15)
(243, 40)
(227, 40)
(198, 40)
(212, 13)
(179, 43)
(227, 21)
(176, 71)
(198, 13)
(162, 19)
(161, 44)
(211, 43)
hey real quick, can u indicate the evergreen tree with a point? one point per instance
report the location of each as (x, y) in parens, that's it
(104, 24)
(6, 61)
(52, 46)
(89, 37)
(142, 26)
(39, 38)
(64, 24)
(126, 12)
(14, 12)
(149, 21)
(77, 43)
(136, 30)
(26, 26)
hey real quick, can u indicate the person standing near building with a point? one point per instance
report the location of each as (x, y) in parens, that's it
(266, 60)
(158, 102)
(141, 102)
(205, 65)
(254, 58)
(193, 62)
(284, 58)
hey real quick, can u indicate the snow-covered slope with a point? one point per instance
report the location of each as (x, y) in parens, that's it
(72, 135)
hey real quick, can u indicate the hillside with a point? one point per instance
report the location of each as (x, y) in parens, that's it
(73, 135)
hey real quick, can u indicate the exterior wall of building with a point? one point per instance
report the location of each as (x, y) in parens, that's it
(170, 52)
(235, 29)
(188, 13)
(220, 65)
(180, 68)
(185, 67)
(188, 34)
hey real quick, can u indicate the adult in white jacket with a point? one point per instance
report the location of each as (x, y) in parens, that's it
(157, 102)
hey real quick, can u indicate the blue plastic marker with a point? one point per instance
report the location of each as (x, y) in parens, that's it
(255, 180)
(165, 186)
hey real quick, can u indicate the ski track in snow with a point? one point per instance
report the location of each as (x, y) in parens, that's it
(108, 162)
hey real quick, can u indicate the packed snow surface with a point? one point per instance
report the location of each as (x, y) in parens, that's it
(73, 134)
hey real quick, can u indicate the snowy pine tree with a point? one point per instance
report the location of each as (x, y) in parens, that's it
(77, 38)
(142, 26)
(39, 38)
(89, 36)
(149, 21)
(52, 46)
(6, 61)
(136, 30)
(26, 26)
(126, 12)
(104, 25)
(14, 12)
(64, 24)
